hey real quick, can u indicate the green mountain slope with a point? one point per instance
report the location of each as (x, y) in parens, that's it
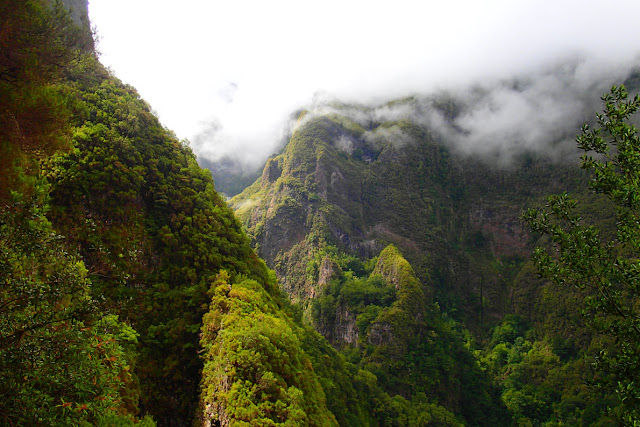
(131, 295)
(346, 187)
(111, 238)
(455, 218)
(151, 230)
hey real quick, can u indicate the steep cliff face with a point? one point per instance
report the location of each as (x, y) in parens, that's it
(360, 185)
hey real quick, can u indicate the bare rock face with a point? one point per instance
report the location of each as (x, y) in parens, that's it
(508, 235)
(345, 329)
(328, 270)
(380, 334)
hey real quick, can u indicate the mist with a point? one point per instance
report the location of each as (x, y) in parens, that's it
(227, 76)
(498, 119)
(538, 112)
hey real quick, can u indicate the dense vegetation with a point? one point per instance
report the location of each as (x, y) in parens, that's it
(63, 361)
(111, 238)
(605, 266)
(130, 294)
(254, 359)
(387, 324)
(345, 187)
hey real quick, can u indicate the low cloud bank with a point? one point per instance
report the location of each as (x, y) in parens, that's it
(228, 74)
(498, 119)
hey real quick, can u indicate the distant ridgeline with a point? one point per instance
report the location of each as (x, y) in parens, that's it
(131, 294)
(230, 175)
(347, 186)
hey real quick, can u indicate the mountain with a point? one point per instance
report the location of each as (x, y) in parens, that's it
(230, 175)
(354, 188)
(401, 291)
(360, 186)
(113, 241)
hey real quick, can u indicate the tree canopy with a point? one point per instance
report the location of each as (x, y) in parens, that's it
(606, 266)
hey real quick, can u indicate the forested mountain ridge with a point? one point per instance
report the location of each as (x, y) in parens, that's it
(346, 186)
(360, 186)
(111, 237)
(130, 293)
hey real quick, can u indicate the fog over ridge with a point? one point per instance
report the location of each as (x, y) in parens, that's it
(540, 112)
(228, 75)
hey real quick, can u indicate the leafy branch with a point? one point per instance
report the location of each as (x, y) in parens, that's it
(608, 269)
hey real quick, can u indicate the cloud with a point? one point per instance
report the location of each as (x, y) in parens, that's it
(246, 65)
(204, 141)
(539, 111)
(392, 134)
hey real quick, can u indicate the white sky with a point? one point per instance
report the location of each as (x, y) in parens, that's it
(247, 64)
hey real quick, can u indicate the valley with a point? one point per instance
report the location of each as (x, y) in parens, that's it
(376, 271)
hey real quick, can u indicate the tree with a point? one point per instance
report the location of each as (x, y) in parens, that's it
(606, 267)
(61, 362)
(39, 43)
